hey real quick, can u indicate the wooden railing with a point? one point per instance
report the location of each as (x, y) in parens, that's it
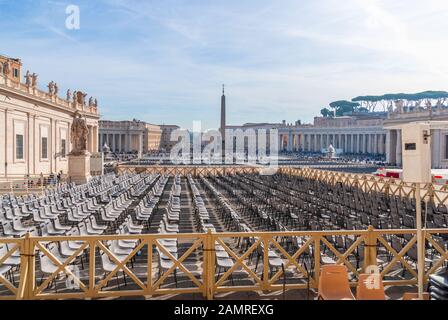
(436, 193)
(252, 269)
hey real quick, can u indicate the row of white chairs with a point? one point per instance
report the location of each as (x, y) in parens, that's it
(222, 258)
(169, 224)
(143, 211)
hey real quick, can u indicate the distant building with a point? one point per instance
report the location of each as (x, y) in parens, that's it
(134, 136)
(165, 143)
(371, 133)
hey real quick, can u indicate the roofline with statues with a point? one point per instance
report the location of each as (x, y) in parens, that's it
(29, 90)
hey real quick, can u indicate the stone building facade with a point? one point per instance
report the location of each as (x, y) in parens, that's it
(130, 136)
(35, 125)
(165, 142)
(373, 134)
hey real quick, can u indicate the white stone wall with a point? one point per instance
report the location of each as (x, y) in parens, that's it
(23, 113)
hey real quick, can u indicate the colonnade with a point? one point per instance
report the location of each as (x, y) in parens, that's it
(362, 143)
(122, 142)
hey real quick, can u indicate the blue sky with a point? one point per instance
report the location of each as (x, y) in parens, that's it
(164, 61)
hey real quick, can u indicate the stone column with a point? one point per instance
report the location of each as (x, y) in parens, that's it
(350, 143)
(359, 143)
(373, 138)
(95, 138)
(128, 142)
(290, 141)
(398, 148)
(367, 143)
(113, 143)
(91, 138)
(140, 145)
(380, 143)
(388, 146)
(375, 146)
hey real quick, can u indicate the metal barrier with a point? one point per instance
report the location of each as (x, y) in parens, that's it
(32, 184)
(301, 255)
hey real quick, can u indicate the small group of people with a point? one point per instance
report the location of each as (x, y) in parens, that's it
(52, 179)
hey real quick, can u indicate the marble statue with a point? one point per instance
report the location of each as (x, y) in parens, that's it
(81, 97)
(51, 87)
(34, 80)
(28, 78)
(399, 104)
(79, 133)
(69, 95)
(56, 89)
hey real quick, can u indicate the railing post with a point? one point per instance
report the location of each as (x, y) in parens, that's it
(209, 265)
(92, 265)
(26, 286)
(316, 259)
(370, 249)
(265, 263)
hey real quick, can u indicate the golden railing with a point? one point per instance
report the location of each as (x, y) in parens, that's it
(299, 270)
(186, 170)
(437, 193)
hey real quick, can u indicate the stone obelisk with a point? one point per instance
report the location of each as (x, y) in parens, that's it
(223, 121)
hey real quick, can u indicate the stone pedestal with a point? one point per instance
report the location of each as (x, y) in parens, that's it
(79, 168)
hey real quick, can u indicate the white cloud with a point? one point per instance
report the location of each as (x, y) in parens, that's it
(280, 60)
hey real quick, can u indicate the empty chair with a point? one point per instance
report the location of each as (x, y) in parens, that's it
(333, 283)
(370, 287)
(109, 266)
(414, 296)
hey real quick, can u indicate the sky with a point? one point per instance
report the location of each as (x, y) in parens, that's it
(164, 61)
